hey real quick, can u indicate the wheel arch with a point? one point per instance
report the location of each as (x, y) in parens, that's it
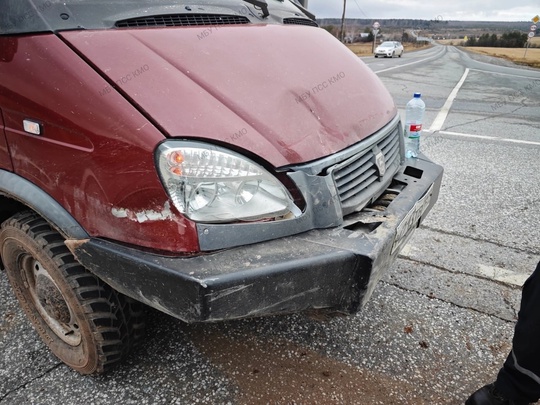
(18, 194)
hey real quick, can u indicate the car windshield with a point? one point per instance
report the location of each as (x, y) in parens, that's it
(387, 44)
(27, 16)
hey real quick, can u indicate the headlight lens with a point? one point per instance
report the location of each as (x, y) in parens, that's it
(212, 184)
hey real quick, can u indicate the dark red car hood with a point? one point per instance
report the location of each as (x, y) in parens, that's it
(290, 94)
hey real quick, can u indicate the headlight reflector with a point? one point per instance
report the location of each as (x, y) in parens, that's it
(212, 184)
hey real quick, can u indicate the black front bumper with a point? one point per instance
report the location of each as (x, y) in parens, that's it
(335, 268)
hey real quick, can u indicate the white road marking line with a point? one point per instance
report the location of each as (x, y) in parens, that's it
(443, 113)
(408, 250)
(489, 138)
(506, 74)
(503, 275)
(407, 64)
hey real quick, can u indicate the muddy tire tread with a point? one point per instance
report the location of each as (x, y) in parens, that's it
(116, 321)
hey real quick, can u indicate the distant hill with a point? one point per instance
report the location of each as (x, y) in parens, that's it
(406, 29)
(430, 24)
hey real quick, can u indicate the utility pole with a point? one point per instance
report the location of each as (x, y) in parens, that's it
(342, 32)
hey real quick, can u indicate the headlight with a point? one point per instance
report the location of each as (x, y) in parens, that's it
(212, 184)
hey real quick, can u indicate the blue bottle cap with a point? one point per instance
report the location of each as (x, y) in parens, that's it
(417, 95)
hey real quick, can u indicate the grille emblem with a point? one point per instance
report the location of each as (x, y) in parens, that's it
(380, 162)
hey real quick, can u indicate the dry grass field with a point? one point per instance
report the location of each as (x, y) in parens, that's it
(455, 42)
(516, 55)
(360, 49)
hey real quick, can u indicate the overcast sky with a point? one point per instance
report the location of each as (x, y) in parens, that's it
(482, 10)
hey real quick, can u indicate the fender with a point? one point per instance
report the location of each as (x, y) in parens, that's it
(22, 190)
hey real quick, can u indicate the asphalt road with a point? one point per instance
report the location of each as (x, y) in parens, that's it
(437, 327)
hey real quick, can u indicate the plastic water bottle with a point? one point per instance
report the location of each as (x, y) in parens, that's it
(414, 116)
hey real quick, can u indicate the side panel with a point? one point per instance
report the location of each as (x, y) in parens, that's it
(5, 160)
(8, 48)
(94, 154)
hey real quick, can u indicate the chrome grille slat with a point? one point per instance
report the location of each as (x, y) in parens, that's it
(367, 179)
(391, 154)
(356, 177)
(390, 145)
(383, 143)
(352, 167)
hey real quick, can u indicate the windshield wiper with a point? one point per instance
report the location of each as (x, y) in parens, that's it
(262, 4)
(304, 10)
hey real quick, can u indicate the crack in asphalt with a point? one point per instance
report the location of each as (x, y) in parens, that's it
(461, 273)
(498, 244)
(400, 287)
(509, 303)
(26, 383)
(486, 118)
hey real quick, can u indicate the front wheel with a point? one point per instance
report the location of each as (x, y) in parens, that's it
(86, 324)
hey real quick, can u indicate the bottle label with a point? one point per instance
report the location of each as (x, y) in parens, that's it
(415, 127)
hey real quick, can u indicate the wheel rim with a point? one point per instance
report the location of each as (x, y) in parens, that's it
(49, 301)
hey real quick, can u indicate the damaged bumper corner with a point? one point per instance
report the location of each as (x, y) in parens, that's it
(335, 268)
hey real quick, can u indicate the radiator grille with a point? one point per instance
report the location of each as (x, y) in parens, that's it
(355, 176)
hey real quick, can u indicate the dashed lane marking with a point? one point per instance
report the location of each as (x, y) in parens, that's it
(410, 63)
(441, 117)
(487, 137)
(502, 275)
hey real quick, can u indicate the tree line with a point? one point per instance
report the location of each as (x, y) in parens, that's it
(514, 39)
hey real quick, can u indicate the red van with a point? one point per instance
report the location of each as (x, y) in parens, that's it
(216, 159)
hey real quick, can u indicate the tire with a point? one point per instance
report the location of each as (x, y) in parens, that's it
(400, 55)
(376, 56)
(86, 324)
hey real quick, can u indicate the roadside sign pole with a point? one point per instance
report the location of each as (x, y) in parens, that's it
(375, 31)
(531, 36)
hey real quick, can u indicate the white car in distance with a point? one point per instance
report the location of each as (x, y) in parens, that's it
(389, 49)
